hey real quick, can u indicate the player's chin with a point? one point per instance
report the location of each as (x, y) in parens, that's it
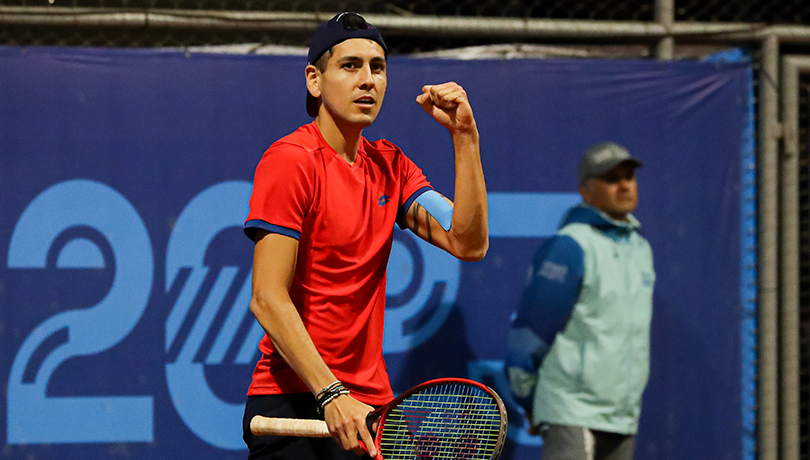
(364, 119)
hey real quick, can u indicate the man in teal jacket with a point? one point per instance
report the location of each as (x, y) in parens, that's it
(579, 343)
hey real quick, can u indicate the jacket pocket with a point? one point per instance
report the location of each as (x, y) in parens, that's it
(603, 375)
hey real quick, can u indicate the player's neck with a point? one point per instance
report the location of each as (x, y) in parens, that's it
(345, 140)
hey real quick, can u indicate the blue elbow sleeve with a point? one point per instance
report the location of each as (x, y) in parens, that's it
(438, 207)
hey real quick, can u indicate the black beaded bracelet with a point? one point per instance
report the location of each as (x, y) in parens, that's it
(328, 394)
(331, 394)
(328, 388)
(327, 400)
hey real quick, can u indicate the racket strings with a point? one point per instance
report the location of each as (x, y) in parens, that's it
(447, 421)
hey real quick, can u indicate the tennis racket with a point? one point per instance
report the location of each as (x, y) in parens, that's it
(442, 418)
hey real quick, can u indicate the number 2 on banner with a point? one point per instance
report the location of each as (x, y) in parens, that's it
(67, 205)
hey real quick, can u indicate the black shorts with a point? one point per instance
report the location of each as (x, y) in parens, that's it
(297, 405)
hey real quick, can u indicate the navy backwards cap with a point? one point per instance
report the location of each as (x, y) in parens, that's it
(340, 28)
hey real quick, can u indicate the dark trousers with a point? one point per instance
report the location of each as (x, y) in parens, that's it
(578, 443)
(298, 405)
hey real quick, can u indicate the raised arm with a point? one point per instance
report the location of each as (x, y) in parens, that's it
(273, 268)
(468, 235)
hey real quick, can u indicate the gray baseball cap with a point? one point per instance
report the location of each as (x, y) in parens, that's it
(599, 159)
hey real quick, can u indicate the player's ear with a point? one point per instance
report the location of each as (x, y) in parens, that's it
(312, 75)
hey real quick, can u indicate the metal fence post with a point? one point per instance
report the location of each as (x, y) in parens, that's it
(790, 413)
(665, 16)
(768, 190)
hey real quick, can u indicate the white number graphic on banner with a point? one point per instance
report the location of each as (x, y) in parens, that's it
(216, 208)
(90, 330)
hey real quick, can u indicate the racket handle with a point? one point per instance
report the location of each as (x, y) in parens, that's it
(261, 426)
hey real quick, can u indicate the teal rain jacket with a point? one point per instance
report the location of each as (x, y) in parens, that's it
(579, 341)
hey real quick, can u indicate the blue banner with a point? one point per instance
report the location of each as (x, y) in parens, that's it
(125, 276)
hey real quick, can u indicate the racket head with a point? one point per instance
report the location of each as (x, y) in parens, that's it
(443, 418)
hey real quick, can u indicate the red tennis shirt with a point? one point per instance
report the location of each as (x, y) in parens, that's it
(343, 216)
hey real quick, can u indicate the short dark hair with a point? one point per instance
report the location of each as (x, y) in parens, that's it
(322, 63)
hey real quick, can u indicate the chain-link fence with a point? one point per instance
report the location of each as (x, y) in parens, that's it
(625, 10)
(794, 12)
(765, 11)
(128, 37)
(762, 11)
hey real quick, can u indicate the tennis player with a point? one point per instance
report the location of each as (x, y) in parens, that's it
(322, 213)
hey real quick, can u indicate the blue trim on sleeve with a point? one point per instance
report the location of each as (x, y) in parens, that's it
(556, 279)
(545, 307)
(252, 225)
(438, 207)
(405, 207)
